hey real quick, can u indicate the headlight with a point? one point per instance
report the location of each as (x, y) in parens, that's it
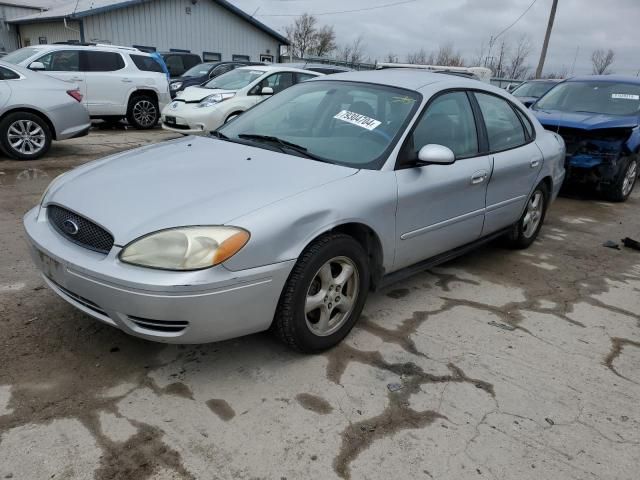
(175, 85)
(211, 100)
(186, 248)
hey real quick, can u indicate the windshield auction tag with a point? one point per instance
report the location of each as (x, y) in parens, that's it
(625, 96)
(357, 119)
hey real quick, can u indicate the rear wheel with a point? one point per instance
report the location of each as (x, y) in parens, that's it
(143, 112)
(526, 230)
(623, 185)
(324, 295)
(24, 136)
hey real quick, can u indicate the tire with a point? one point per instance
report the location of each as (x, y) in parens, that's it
(34, 144)
(324, 326)
(623, 185)
(524, 233)
(143, 112)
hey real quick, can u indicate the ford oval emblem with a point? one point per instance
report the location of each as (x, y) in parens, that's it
(70, 227)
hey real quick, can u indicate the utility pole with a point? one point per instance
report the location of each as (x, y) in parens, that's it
(545, 45)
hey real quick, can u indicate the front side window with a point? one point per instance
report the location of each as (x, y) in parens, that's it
(223, 69)
(329, 120)
(278, 82)
(532, 89)
(605, 97)
(301, 77)
(448, 121)
(103, 61)
(61, 61)
(504, 129)
(235, 80)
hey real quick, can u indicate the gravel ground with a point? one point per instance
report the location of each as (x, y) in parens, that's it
(500, 364)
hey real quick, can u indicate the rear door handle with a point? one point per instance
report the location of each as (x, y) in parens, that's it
(478, 177)
(534, 163)
(127, 80)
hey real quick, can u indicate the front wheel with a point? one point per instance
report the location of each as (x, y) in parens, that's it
(526, 230)
(24, 136)
(324, 295)
(623, 185)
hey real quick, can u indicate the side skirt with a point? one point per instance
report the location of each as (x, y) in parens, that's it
(416, 268)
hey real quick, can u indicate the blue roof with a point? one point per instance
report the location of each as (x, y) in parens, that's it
(606, 78)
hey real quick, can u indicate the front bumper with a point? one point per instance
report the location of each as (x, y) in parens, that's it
(190, 119)
(173, 307)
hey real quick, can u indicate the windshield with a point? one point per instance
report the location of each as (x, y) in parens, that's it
(347, 123)
(20, 55)
(235, 79)
(609, 98)
(533, 89)
(198, 70)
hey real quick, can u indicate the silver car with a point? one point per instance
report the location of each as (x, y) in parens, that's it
(36, 109)
(296, 209)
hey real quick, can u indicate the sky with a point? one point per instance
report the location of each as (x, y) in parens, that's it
(581, 26)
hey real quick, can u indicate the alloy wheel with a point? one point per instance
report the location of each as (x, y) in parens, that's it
(144, 113)
(331, 296)
(629, 178)
(533, 215)
(26, 137)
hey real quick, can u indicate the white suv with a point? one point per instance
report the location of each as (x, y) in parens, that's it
(115, 82)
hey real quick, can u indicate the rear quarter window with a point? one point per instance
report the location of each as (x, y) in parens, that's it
(6, 74)
(146, 64)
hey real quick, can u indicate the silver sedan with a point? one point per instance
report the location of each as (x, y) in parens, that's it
(295, 210)
(36, 109)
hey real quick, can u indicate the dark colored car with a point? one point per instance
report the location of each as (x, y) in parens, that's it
(203, 72)
(180, 62)
(599, 119)
(530, 91)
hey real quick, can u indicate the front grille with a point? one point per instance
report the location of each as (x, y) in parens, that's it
(87, 234)
(177, 126)
(595, 142)
(163, 326)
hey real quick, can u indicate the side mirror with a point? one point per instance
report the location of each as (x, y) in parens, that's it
(266, 91)
(436, 154)
(36, 66)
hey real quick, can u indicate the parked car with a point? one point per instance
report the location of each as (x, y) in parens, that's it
(115, 82)
(199, 110)
(528, 92)
(35, 110)
(327, 69)
(203, 72)
(599, 119)
(179, 62)
(297, 208)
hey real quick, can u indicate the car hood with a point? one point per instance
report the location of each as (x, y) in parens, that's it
(193, 94)
(189, 181)
(584, 120)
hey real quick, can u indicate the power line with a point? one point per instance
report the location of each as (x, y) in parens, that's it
(364, 9)
(516, 21)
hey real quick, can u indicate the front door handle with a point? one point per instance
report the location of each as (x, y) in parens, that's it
(478, 177)
(534, 163)
(126, 80)
(76, 79)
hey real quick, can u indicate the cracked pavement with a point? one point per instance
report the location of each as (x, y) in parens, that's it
(501, 364)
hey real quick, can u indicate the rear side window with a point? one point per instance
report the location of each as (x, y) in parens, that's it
(504, 128)
(6, 74)
(146, 64)
(103, 62)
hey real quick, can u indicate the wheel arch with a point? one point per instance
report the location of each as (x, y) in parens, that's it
(142, 92)
(33, 111)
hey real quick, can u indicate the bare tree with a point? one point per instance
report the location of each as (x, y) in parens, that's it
(420, 57)
(517, 57)
(447, 56)
(301, 35)
(391, 58)
(602, 60)
(352, 52)
(324, 41)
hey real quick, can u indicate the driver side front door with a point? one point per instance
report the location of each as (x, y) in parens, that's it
(441, 207)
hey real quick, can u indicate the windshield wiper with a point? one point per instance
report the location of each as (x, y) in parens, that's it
(283, 144)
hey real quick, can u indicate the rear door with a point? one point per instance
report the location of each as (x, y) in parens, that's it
(441, 207)
(107, 84)
(65, 65)
(516, 160)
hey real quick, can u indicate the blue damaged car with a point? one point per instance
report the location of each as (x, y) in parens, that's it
(598, 117)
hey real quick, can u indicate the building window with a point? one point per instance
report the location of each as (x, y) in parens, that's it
(211, 56)
(179, 50)
(240, 58)
(42, 40)
(266, 58)
(145, 48)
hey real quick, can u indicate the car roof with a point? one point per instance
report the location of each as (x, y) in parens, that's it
(179, 53)
(411, 79)
(89, 48)
(276, 68)
(305, 65)
(606, 78)
(543, 80)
